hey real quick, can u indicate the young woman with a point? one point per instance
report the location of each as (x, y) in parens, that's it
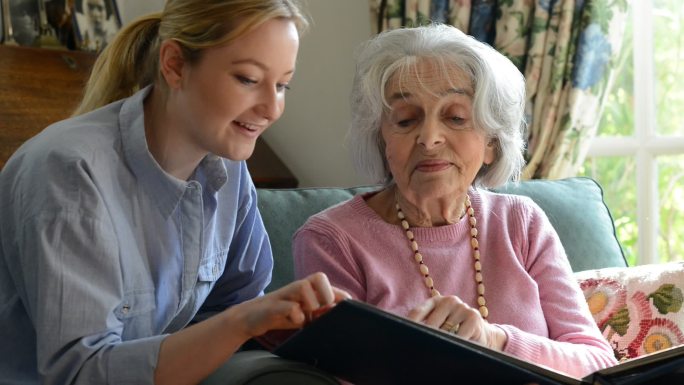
(137, 217)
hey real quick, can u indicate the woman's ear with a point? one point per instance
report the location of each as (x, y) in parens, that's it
(490, 151)
(171, 63)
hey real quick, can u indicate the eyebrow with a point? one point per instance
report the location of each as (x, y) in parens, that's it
(449, 91)
(259, 64)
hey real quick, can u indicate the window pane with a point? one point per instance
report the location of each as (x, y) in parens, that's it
(671, 192)
(668, 40)
(617, 177)
(618, 110)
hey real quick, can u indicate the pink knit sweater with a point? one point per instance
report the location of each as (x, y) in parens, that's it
(530, 291)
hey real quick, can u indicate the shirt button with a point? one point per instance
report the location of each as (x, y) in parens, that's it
(125, 309)
(216, 269)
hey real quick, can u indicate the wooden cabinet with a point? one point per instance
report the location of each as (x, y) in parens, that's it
(37, 87)
(41, 86)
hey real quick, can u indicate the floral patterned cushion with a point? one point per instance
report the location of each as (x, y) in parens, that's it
(638, 309)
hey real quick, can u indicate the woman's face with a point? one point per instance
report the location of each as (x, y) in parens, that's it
(95, 9)
(433, 148)
(235, 91)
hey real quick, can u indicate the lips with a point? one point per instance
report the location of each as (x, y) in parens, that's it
(249, 129)
(247, 126)
(432, 165)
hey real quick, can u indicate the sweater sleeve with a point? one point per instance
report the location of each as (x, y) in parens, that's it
(575, 345)
(318, 247)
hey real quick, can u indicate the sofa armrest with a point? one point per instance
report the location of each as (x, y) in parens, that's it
(258, 367)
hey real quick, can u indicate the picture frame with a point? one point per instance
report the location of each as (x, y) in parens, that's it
(95, 23)
(21, 22)
(2, 21)
(49, 34)
(56, 23)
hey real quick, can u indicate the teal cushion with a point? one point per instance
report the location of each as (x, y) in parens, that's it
(285, 210)
(581, 218)
(575, 207)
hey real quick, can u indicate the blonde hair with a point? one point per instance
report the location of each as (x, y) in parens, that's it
(131, 61)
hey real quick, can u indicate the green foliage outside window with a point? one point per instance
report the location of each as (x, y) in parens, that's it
(617, 175)
(669, 65)
(671, 192)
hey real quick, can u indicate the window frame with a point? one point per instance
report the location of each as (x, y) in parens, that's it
(645, 144)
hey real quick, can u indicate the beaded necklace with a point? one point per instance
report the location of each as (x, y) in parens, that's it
(429, 282)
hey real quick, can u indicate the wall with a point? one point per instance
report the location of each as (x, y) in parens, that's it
(310, 136)
(130, 9)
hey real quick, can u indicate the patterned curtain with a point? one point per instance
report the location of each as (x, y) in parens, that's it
(566, 49)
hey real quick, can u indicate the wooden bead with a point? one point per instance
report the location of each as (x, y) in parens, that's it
(474, 244)
(429, 282)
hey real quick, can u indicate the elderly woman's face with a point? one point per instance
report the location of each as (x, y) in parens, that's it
(432, 146)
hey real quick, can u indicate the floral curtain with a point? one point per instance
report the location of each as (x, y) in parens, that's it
(565, 48)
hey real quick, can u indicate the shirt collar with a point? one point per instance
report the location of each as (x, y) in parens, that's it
(212, 173)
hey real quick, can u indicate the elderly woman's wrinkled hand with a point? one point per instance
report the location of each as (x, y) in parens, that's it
(450, 314)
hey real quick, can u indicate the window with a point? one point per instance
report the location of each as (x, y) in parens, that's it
(638, 154)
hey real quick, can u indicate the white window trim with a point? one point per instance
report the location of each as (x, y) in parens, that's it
(645, 145)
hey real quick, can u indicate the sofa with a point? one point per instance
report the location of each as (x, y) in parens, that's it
(576, 209)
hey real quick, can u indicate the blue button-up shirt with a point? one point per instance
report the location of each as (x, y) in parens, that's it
(103, 253)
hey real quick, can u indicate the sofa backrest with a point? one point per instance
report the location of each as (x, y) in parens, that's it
(574, 206)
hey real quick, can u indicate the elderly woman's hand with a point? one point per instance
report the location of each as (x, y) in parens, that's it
(451, 315)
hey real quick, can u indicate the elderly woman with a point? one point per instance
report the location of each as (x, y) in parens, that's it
(438, 119)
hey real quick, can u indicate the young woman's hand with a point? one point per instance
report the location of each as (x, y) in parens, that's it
(289, 307)
(451, 315)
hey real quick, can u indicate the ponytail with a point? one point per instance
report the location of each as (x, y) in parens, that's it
(127, 64)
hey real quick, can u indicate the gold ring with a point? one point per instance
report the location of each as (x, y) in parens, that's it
(447, 326)
(454, 329)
